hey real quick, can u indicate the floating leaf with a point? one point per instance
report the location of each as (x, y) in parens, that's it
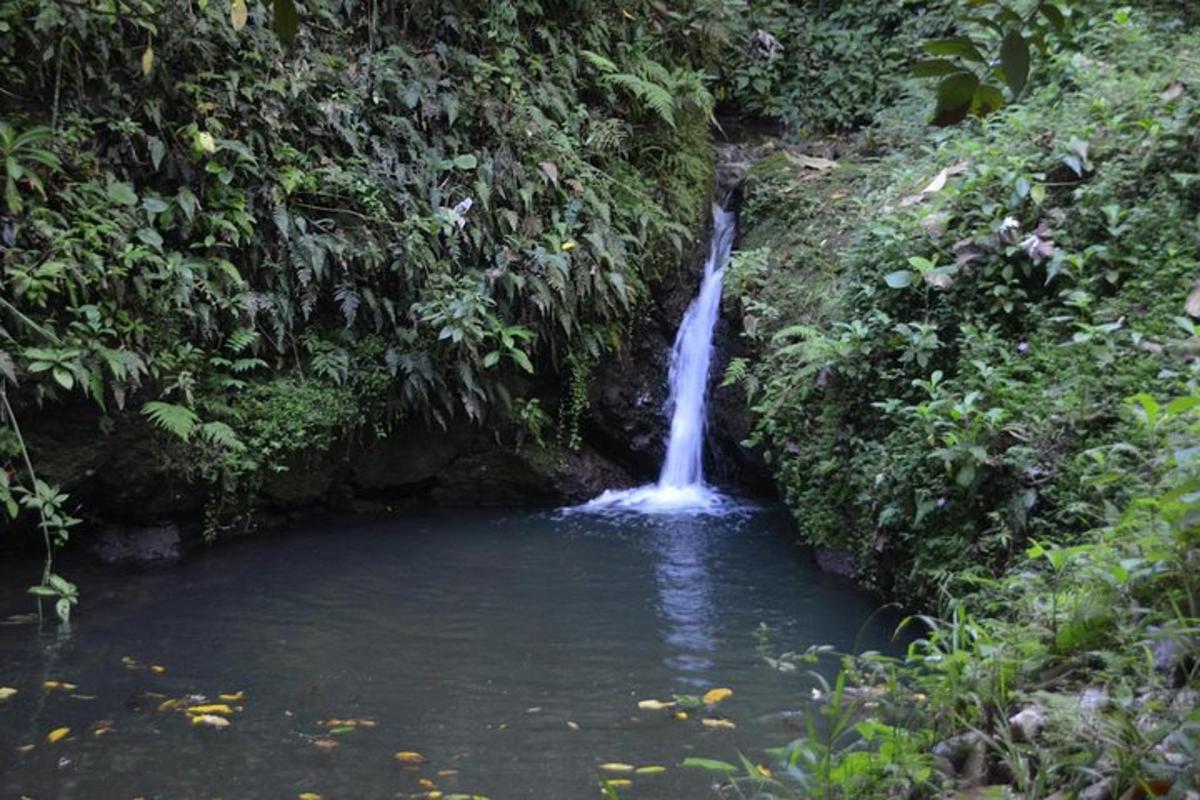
(210, 708)
(409, 757)
(232, 697)
(308, 796)
(341, 730)
(57, 734)
(717, 724)
(654, 705)
(681, 715)
(614, 766)
(709, 764)
(650, 770)
(573, 725)
(619, 783)
(6, 692)
(158, 669)
(325, 744)
(210, 720)
(714, 696)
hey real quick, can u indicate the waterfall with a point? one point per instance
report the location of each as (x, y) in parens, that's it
(690, 360)
(681, 484)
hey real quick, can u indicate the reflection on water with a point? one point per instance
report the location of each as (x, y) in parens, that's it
(510, 651)
(685, 599)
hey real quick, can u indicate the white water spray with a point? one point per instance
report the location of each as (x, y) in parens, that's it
(681, 484)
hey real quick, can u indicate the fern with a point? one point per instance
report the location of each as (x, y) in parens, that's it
(175, 419)
(657, 98)
(221, 435)
(600, 62)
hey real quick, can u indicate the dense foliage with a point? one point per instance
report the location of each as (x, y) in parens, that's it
(977, 376)
(262, 246)
(950, 333)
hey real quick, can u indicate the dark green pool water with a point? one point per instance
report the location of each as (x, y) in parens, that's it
(511, 649)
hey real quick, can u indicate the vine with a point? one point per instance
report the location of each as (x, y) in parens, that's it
(576, 402)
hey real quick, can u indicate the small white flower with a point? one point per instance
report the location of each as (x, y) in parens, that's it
(816, 694)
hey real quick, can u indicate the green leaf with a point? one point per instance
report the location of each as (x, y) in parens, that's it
(64, 377)
(522, 360)
(175, 419)
(491, 359)
(122, 194)
(954, 97)
(934, 68)
(709, 764)
(901, 279)
(959, 46)
(285, 20)
(466, 161)
(1014, 58)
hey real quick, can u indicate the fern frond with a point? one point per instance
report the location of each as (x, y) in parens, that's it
(599, 62)
(221, 435)
(175, 419)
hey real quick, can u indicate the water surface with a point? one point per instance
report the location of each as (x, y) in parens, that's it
(511, 649)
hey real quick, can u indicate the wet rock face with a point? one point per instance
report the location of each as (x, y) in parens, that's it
(628, 417)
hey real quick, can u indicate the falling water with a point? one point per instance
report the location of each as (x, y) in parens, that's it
(681, 484)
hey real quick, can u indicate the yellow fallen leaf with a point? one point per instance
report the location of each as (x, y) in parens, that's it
(57, 686)
(409, 757)
(717, 723)
(367, 723)
(434, 795)
(654, 705)
(714, 696)
(681, 715)
(157, 669)
(650, 770)
(325, 744)
(613, 766)
(6, 692)
(446, 773)
(425, 783)
(764, 771)
(308, 796)
(238, 14)
(232, 697)
(211, 708)
(172, 704)
(620, 783)
(57, 734)
(210, 720)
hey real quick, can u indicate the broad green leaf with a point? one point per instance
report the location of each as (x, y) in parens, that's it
(900, 279)
(285, 20)
(1014, 58)
(934, 68)
(955, 95)
(959, 46)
